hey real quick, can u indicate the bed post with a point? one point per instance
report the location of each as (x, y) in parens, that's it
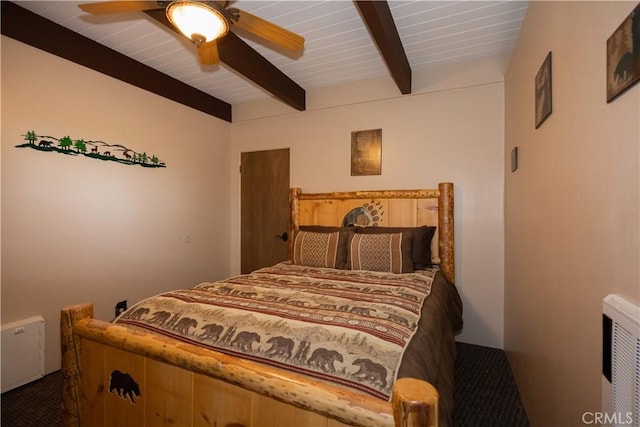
(414, 403)
(71, 357)
(294, 220)
(445, 231)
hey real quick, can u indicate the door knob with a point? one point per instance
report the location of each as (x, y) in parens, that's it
(284, 236)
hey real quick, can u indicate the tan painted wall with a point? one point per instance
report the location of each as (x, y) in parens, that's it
(571, 209)
(81, 230)
(450, 129)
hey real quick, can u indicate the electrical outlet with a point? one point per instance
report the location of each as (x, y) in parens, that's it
(121, 307)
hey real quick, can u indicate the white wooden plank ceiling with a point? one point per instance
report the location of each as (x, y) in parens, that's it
(338, 47)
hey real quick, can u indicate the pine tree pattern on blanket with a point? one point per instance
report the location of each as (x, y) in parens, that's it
(346, 327)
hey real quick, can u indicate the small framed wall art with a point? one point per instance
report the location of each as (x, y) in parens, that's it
(366, 152)
(543, 91)
(623, 56)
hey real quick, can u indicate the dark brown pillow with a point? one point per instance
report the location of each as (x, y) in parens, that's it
(345, 238)
(421, 246)
(386, 252)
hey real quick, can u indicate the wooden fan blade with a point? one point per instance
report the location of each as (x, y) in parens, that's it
(208, 53)
(106, 7)
(269, 31)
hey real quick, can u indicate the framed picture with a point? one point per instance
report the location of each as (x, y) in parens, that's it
(623, 56)
(543, 91)
(366, 152)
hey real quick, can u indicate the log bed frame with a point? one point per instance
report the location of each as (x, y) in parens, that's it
(185, 385)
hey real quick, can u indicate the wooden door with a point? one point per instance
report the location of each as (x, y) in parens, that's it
(264, 199)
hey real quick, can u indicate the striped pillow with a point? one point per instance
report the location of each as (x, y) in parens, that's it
(316, 249)
(388, 252)
(343, 242)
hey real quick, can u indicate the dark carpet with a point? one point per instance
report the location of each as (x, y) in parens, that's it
(485, 394)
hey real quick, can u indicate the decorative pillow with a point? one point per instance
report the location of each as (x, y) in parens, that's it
(316, 249)
(343, 242)
(390, 252)
(421, 247)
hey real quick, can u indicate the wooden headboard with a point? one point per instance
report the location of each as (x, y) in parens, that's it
(388, 208)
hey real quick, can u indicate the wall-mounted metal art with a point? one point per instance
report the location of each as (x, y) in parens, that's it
(366, 152)
(98, 150)
(370, 214)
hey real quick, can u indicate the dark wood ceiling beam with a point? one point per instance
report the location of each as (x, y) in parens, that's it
(32, 29)
(245, 60)
(377, 16)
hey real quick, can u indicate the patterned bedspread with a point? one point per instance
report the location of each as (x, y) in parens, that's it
(346, 327)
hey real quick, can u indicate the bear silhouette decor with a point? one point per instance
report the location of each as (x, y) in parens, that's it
(124, 386)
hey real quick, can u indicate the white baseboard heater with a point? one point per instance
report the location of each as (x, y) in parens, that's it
(620, 362)
(22, 352)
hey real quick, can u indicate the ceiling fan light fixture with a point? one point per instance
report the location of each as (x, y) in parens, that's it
(199, 22)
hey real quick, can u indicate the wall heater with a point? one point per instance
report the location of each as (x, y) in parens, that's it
(620, 362)
(22, 352)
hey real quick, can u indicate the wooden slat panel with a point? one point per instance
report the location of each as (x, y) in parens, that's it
(169, 396)
(120, 409)
(427, 212)
(332, 212)
(320, 212)
(271, 413)
(387, 212)
(401, 212)
(334, 423)
(219, 404)
(93, 384)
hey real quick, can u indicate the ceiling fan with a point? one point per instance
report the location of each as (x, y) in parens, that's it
(203, 22)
